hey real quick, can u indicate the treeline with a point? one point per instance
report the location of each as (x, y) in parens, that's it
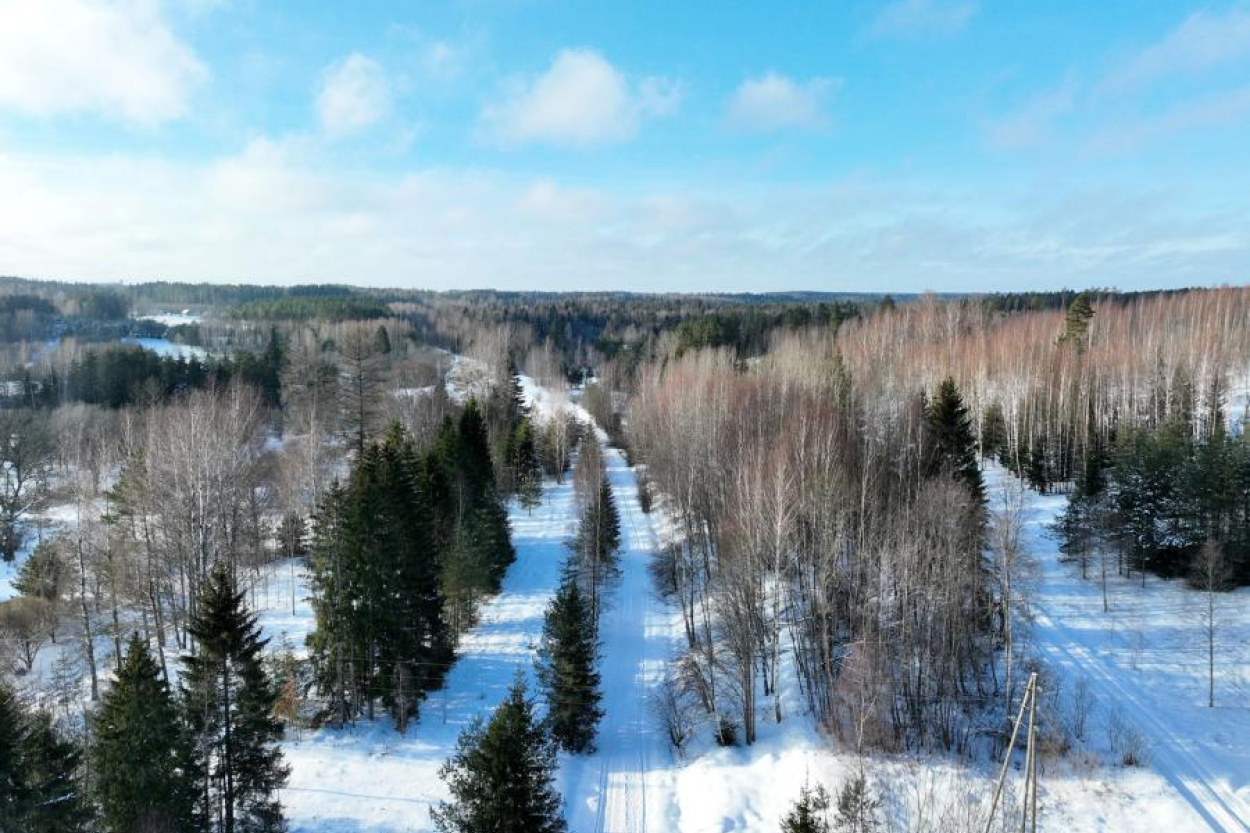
(402, 553)
(327, 307)
(1155, 498)
(121, 375)
(811, 523)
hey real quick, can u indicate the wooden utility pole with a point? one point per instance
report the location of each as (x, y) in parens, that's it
(1028, 816)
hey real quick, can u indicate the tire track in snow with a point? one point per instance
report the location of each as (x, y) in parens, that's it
(1221, 808)
(621, 787)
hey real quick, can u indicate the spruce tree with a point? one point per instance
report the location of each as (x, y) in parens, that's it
(810, 813)
(598, 539)
(526, 465)
(53, 765)
(502, 775)
(952, 448)
(142, 760)
(15, 790)
(856, 807)
(567, 658)
(230, 703)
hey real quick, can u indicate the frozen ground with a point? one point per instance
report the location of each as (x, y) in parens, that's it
(1145, 661)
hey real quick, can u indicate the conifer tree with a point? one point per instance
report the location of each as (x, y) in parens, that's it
(53, 766)
(15, 791)
(230, 703)
(809, 813)
(526, 465)
(952, 445)
(566, 669)
(502, 775)
(856, 807)
(142, 761)
(598, 539)
(1076, 322)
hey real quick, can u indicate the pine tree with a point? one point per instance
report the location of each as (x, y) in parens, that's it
(42, 573)
(53, 773)
(566, 670)
(1076, 322)
(230, 703)
(142, 759)
(952, 445)
(502, 775)
(809, 813)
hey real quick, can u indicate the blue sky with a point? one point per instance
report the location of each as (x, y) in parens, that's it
(891, 146)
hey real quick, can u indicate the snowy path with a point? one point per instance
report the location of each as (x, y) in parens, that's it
(373, 779)
(1146, 659)
(370, 779)
(628, 786)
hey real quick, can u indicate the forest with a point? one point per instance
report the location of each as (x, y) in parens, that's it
(829, 490)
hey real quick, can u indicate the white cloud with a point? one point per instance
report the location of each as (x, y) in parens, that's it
(581, 100)
(354, 95)
(280, 211)
(775, 102)
(923, 18)
(118, 59)
(1203, 41)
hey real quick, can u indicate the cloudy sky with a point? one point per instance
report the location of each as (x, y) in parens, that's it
(901, 146)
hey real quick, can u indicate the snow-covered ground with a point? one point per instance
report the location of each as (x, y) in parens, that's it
(1145, 661)
(165, 347)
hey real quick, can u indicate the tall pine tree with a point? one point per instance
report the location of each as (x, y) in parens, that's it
(230, 704)
(142, 759)
(566, 670)
(502, 775)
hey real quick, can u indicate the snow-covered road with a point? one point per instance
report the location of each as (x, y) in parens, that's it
(628, 785)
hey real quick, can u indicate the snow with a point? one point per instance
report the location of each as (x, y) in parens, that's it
(165, 347)
(173, 319)
(1146, 658)
(372, 778)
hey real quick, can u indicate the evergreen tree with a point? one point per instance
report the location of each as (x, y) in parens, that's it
(53, 776)
(810, 813)
(382, 341)
(952, 448)
(856, 808)
(526, 465)
(230, 703)
(598, 539)
(502, 775)
(15, 790)
(142, 760)
(1076, 322)
(994, 433)
(377, 584)
(566, 670)
(42, 574)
